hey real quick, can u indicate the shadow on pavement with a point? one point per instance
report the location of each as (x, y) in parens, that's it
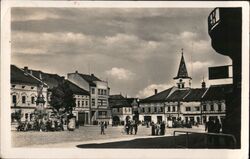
(195, 141)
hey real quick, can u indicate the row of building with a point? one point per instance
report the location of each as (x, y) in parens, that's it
(94, 102)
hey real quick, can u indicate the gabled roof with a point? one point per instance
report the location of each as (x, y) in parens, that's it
(52, 80)
(182, 72)
(159, 97)
(178, 95)
(76, 89)
(90, 78)
(217, 92)
(195, 94)
(19, 76)
(118, 101)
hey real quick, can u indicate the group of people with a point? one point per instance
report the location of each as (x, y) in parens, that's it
(158, 128)
(50, 124)
(213, 125)
(131, 127)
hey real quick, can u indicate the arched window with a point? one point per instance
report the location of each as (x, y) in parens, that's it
(32, 100)
(14, 99)
(23, 99)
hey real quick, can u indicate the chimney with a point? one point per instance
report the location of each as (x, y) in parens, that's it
(155, 91)
(203, 84)
(76, 71)
(25, 69)
(40, 76)
(92, 74)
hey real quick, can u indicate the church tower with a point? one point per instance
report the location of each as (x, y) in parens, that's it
(182, 79)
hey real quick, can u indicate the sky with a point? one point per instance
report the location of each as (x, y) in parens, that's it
(135, 50)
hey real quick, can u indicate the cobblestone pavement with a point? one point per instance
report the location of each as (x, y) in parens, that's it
(83, 135)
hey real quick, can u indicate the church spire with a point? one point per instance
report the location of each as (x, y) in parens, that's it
(182, 77)
(182, 72)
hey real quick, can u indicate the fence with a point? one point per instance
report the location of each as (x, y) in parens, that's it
(203, 140)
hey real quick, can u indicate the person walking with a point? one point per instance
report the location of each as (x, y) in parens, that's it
(210, 125)
(210, 128)
(102, 128)
(127, 125)
(217, 127)
(135, 128)
(131, 127)
(162, 128)
(153, 128)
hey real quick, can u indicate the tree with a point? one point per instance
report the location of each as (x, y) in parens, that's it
(62, 98)
(17, 115)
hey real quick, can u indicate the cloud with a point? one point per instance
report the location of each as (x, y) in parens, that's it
(49, 43)
(25, 15)
(138, 46)
(120, 73)
(150, 90)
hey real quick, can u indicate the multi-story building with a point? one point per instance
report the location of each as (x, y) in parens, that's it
(213, 102)
(153, 108)
(82, 109)
(99, 93)
(24, 93)
(123, 109)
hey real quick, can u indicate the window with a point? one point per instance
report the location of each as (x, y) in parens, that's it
(143, 110)
(204, 107)
(169, 108)
(105, 92)
(32, 87)
(118, 109)
(212, 107)
(86, 103)
(161, 109)
(13, 86)
(23, 99)
(102, 113)
(82, 103)
(173, 108)
(93, 101)
(197, 108)
(155, 109)
(32, 100)
(78, 103)
(188, 109)
(14, 99)
(93, 90)
(102, 102)
(99, 91)
(149, 109)
(219, 107)
(23, 86)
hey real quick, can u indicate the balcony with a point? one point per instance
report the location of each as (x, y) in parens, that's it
(224, 28)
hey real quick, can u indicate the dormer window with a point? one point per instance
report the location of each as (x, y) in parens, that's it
(32, 87)
(23, 86)
(13, 86)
